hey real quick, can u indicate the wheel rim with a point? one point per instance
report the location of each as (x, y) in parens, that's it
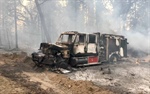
(114, 59)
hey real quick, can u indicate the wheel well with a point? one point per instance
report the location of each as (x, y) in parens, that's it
(112, 56)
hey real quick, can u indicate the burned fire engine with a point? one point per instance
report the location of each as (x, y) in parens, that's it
(79, 49)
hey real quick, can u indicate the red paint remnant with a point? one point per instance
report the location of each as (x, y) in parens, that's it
(93, 59)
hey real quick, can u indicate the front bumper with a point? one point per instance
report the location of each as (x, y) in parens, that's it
(38, 57)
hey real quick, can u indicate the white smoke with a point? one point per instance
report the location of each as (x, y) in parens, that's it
(105, 16)
(97, 16)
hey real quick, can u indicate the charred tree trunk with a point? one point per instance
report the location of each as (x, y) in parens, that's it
(15, 18)
(76, 12)
(1, 15)
(42, 21)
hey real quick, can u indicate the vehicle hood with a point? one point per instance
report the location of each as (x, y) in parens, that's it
(54, 46)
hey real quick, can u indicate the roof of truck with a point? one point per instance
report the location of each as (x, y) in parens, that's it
(113, 35)
(105, 35)
(72, 32)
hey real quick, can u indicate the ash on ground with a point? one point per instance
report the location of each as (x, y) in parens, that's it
(132, 75)
(17, 75)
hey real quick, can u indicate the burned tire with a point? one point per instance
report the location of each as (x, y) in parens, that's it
(73, 63)
(113, 58)
(63, 65)
(37, 59)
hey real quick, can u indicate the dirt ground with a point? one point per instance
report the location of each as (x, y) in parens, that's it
(17, 76)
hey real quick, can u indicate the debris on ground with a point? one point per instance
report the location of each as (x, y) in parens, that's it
(17, 75)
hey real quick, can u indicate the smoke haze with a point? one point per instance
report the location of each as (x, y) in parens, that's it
(129, 18)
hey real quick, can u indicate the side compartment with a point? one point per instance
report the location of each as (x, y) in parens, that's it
(83, 61)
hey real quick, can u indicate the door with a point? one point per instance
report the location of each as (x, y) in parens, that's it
(92, 44)
(80, 44)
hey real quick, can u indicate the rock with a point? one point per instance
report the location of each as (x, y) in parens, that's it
(132, 74)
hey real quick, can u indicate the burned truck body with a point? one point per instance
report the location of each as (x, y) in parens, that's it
(79, 49)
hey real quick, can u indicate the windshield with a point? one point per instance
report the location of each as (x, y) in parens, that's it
(66, 38)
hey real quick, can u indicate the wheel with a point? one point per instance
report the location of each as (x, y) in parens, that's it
(73, 63)
(63, 64)
(113, 58)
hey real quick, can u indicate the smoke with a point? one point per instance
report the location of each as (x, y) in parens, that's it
(129, 18)
(106, 16)
(138, 43)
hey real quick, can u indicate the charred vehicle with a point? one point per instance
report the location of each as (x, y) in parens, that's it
(79, 49)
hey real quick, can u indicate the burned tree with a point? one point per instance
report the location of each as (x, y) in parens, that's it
(42, 20)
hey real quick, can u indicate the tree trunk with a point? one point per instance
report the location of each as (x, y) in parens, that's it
(43, 21)
(1, 19)
(15, 18)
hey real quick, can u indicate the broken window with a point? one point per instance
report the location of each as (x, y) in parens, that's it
(64, 38)
(92, 38)
(69, 38)
(81, 38)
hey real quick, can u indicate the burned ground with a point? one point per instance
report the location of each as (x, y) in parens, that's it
(132, 75)
(11, 68)
(17, 75)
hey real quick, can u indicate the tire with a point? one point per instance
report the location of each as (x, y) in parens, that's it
(63, 65)
(113, 58)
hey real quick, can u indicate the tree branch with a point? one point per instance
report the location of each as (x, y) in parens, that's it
(43, 2)
(26, 9)
(21, 20)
